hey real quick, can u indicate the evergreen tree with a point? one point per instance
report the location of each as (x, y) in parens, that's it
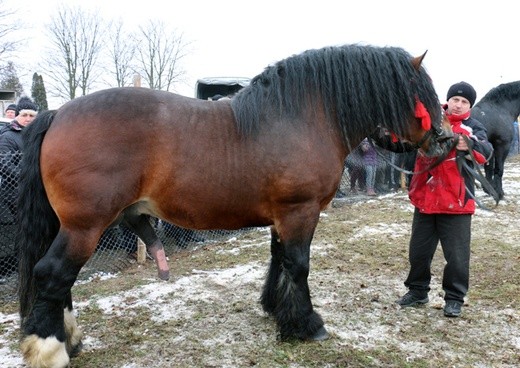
(38, 93)
(9, 79)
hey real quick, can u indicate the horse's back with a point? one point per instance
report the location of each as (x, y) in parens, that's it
(181, 159)
(114, 147)
(112, 130)
(113, 110)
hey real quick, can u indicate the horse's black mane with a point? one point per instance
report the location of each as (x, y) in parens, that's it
(360, 87)
(503, 92)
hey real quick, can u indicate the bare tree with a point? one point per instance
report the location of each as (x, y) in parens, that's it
(8, 26)
(76, 44)
(122, 52)
(159, 52)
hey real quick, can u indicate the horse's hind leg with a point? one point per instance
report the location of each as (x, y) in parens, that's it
(140, 224)
(50, 330)
(268, 299)
(286, 290)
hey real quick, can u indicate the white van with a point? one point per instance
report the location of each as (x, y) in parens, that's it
(218, 87)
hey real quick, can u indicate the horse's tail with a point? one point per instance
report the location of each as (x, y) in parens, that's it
(37, 222)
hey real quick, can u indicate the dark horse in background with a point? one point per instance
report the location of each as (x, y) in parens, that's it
(272, 156)
(497, 110)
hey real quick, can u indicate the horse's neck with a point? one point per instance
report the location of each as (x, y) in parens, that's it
(508, 107)
(513, 106)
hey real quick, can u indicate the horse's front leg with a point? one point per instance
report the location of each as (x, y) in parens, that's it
(50, 331)
(286, 291)
(500, 159)
(489, 170)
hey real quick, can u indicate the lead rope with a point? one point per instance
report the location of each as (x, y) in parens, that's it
(438, 160)
(476, 174)
(461, 164)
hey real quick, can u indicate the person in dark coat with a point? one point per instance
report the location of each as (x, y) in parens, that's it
(11, 146)
(11, 135)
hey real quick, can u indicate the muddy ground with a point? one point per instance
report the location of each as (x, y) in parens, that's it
(208, 313)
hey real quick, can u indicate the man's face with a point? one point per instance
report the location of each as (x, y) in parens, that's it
(458, 105)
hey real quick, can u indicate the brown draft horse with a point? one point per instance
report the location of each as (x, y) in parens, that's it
(272, 156)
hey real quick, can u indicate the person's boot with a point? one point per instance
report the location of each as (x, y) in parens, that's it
(452, 308)
(411, 299)
(340, 194)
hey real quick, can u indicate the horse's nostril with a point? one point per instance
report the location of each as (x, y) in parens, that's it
(447, 138)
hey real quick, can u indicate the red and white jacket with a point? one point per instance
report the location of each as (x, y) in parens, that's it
(442, 190)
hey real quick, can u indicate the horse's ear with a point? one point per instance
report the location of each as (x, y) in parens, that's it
(417, 61)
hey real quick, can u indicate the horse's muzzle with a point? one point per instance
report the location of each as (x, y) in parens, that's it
(441, 143)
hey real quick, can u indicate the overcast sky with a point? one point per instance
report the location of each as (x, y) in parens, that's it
(465, 40)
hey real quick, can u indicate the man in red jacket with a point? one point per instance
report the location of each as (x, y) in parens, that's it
(444, 203)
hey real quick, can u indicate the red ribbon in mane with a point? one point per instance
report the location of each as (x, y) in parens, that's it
(422, 113)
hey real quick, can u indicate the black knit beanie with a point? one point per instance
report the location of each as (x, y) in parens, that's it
(25, 103)
(463, 89)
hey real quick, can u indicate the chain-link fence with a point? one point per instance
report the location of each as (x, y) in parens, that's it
(116, 250)
(386, 167)
(8, 194)
(117, 247)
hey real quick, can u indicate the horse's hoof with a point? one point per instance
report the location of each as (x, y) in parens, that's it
(164, 275)
(76, 350)
(320, 335)
(44, 352)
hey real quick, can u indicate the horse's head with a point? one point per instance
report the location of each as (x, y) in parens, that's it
(433, 137)
(434, 140)
(415, 119)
